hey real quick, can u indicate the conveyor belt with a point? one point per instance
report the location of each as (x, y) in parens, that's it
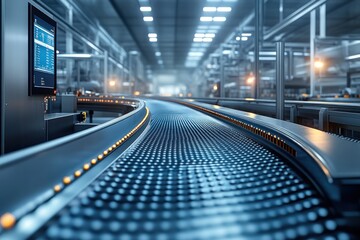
(194, 177)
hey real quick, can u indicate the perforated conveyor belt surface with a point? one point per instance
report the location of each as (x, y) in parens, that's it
(194, 177)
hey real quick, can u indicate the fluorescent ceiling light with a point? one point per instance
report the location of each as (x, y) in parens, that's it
(152, 35)
(210, 35)
(217, 1)
(244, 38)
(206, 19)
(264, 53)
(196, 54)
(224, 9)
(158, 54)
(209, 9)
(238, 38)
(199, 48)
(356, 56)
(199, 35)
(145, 9)
(148, 19)
(201, 30)
(74, 55)
(304, 54)
(153, 39)
(246, 34)
(267, 58)
(219, 19)
(268, 53)
(207, 39)
(193, 49)
(226, 52)
(198, 40)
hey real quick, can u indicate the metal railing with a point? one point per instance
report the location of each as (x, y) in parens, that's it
(342, 118)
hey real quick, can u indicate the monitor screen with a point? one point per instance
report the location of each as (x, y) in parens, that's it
(42, 53)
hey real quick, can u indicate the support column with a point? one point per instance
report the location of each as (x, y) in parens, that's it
(130, 72)
(312, 51)
(69, 47)
(323, 21)
(258, 38)
(222, 74)
(105, 72)
(290, 64)
(280, 80)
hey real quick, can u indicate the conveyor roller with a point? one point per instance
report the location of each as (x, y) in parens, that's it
(194, 177)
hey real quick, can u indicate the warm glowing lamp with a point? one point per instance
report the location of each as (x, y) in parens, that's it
(318, 64)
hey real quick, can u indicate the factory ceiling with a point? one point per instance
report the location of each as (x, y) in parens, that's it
(182, 33)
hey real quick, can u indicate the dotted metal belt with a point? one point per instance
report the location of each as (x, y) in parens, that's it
(194, 177)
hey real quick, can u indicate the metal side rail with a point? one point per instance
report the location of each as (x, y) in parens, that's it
(194, 176)
(35, 183)
(330, 162)
(107, 104)
(339, 116)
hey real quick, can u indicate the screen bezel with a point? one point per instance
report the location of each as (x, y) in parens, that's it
(35, 90)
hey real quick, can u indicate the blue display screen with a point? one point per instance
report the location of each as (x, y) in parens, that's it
(44, 54)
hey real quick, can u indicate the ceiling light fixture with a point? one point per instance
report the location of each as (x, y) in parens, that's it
(194, 49)
(212, 31)
(152, 35)
(207, 39)
(219, 19)
(226, 52)
(145, 9)
(199, 35)
(206, 19)
(209, 9)
(238, 38)
(246, 34)
(196, 54)
(158, 54)
(202, 27)
(191, 64)
(267, 58)
(356, 56)
(153, 39)
(148, 19)
(198, 39)
(74, 55)
(210, 35)
(244, 38)
(224, 9)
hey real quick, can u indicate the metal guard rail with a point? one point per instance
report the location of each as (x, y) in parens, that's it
(330, 162)
(34, 176)
(341, 113)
